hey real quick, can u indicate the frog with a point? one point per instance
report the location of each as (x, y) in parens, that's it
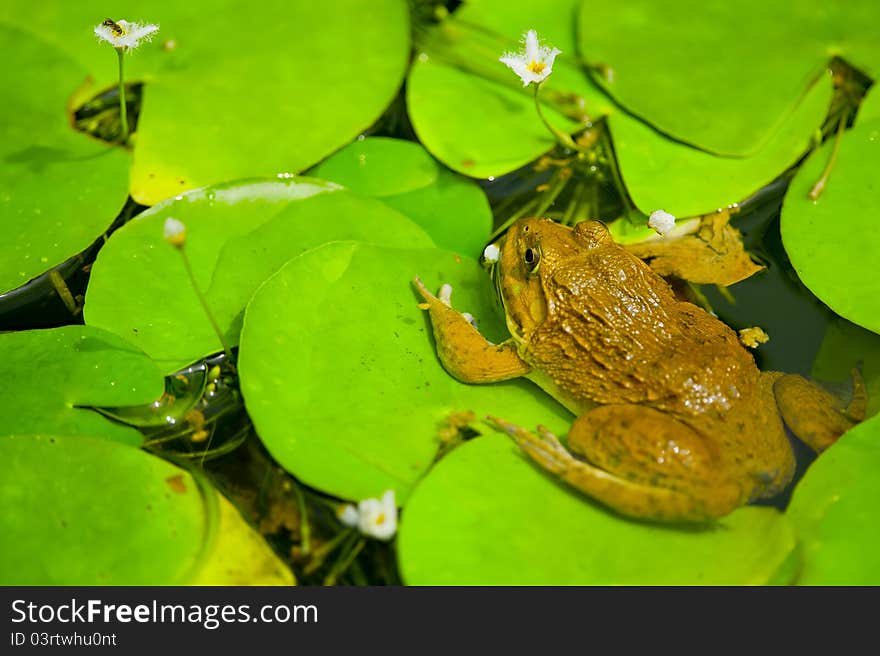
(674, 421)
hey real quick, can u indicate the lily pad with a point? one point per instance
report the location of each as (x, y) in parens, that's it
(150, 523)
(59, 189)
(236, 89)
(238, 234)
(238, 555)
(473, 115)
(520, 527)
(470, 111)
(51, 374)
(834, 508)
(661, 173)
(339, 373)
(845, 346)
(827, 238)
(450, 208)
(72, 524)
(724, 77)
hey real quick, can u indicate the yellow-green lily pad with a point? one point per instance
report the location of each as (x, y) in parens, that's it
(93, 512)
(834, 509)
(236, 89)
(473, 115)
(238, 234)
(485, 515)
(51, 377)
(451, 209)
(724, 77)
(59, 189)
(830, 240)
(339, 373)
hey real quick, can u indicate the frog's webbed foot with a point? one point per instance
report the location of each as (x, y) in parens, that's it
(544, 448)
(464, 352)
(816, 417)
(627, 497)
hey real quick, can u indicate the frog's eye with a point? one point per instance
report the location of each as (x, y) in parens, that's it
(532, 257)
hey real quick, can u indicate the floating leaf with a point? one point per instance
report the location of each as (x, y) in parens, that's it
(239, 555)
(339, 373)
(236, 89)
(473, 115)
(661, 173)
(238, 234)
(846, 346)
(470, 111)
(518, 526)
(59, 189)
(452, 209)
(725, 77)
(830, 239)
(834, 509)
(51, 374)
(94, 512)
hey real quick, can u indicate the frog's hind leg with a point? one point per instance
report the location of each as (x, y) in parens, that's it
(635, 490)
(816, 417)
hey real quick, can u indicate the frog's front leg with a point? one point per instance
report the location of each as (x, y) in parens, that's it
(641, 463)
(464, 352)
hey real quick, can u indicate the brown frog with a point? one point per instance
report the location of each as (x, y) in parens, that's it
(675, 421)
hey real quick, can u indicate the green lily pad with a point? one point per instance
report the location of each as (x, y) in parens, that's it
(51, 374)
(828, 240)
(470, 111)
(236, 89)
(520, 527)
(238, 234)
(845, 346)
(73, 524)
(239, 555)
(661, 173)
(473, 115)
(834, 509)
(339, 373)
(724, 77)
(149, 523)
(450, 208)
(59, 189)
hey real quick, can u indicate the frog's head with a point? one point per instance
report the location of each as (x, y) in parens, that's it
(523, 261)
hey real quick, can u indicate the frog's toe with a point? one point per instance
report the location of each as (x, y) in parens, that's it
(423, 291)
(548, 453)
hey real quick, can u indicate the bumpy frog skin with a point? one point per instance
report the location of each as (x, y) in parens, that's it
(675, 421)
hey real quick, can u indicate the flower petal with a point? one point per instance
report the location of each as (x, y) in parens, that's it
(533, 50)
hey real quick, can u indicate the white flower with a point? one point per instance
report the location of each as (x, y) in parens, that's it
(125, 35)
(174, 232)
(492, 254)
(534, 64)
(661, 221)
(348, 515)
(378, 517)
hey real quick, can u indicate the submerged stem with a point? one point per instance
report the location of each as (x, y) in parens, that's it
(205, 306)
(123, 115)
(819, 187)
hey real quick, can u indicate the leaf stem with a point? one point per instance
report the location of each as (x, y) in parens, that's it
(819, 187)
(205, 307)
(123, 112)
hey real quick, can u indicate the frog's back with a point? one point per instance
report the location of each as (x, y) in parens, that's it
(616, 333)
